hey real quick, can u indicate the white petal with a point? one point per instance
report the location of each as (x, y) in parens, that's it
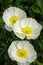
(16, 27)
(33, 56)
(6, 20)
(8, 28)
(36, 32)
(12, 50)
(27, 45)
(24, 44)
(20, 35)
(19, 12)
(11, 11)
(26, 63)
(38, 28)
(33, 36)
(17, 30)
(20, 44)
(29, 22)
(11, 54)
(32, 21)
(6, 16)
(23, 22)
(35, 25)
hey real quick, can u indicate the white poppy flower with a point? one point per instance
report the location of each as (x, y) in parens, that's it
(11, 15)
(28, 28)
(23, 52)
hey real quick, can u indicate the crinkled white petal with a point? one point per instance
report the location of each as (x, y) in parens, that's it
(8, 28)
(17, 30)
(19, 12)
(16, 27)
(34, 36)
(23, 22)
(12, 50)
(15, 45)
(20, 44)
(33, 56)
(28, 22)
(20, 35)
(26, 63)
(25, 45)
(37, 30)
(13, 11)
(6, 16)
(34, 23)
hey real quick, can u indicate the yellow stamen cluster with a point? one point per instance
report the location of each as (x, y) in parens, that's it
(21, 53)
(27, 30)
(13, 19)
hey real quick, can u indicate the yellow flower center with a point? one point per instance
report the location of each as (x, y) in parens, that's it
(27, 30)
(13, 19)
(21, 53)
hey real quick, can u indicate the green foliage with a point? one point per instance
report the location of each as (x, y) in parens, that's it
(34, 9)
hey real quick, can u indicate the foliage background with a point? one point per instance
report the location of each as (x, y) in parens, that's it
(34, 9)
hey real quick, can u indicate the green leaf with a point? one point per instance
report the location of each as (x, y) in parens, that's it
(39, 63)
